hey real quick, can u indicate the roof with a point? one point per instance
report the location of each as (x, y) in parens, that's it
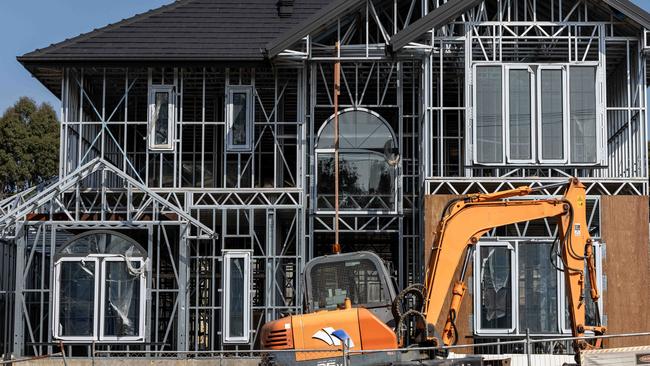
(185, 30)
(440, 16)
(322, 18)
(435, 19)
(631, 10)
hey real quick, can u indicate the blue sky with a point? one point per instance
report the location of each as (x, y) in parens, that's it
(29, 24)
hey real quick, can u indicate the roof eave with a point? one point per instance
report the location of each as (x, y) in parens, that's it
(440, 16)
(323, 17)
(631, 10)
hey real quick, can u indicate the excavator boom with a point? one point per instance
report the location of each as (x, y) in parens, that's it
(466, 220)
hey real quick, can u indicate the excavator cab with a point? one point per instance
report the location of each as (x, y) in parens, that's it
(361, 277)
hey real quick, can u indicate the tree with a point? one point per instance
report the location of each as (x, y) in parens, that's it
(29, 145)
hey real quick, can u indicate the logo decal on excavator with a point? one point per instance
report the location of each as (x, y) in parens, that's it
(331, 337)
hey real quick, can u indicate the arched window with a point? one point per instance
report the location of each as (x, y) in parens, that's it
(100, 288)
(368, 160)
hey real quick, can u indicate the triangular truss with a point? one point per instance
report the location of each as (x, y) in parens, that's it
(52, 196)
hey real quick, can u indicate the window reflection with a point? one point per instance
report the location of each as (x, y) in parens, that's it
(161, 119)
(239, 124)
(100, 283)
(368, 159)
(496, 288)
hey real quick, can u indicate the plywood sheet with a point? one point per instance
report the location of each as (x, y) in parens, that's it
(624, 228)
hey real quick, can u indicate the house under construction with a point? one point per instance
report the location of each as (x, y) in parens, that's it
(197, 173)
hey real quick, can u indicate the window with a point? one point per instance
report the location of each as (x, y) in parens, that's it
(551, 115)
(538, 289)
(520, 114)
(496, 292)
(99, 289)
(162, 114)
(489, 115)
(357, 279)
(583, 114)
(239, 116)
(368, 160)
(237, 298)
(537, 299)
(537, 114)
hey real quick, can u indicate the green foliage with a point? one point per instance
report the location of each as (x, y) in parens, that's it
(29, 145)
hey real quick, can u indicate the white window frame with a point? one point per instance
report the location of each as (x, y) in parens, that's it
(318, 151)
(565, 115)
(141, 305)
(477, 287)
(56, 287)
(536, 143)
(475, 114)
(228, 255)
(250, 117)
(563, 326)
(98, 303)
(601, 148)
(533, 115)
(171, 126)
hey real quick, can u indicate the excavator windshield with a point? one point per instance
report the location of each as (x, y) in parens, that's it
(359, 276)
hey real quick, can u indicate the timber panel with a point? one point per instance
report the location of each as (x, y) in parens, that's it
(627, 267)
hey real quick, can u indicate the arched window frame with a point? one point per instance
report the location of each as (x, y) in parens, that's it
(342, 151)
(100, 262)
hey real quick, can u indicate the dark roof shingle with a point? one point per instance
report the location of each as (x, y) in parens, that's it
(185, 30)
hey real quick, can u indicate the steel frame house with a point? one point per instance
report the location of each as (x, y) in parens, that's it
(199, 131)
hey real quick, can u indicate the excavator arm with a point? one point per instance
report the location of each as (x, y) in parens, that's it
(466, 220)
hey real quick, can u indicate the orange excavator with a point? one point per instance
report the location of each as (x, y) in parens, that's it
(350, 301)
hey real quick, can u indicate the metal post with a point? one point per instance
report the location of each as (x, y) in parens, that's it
(19, 335)
(336, 248)
(528, 355)
(183, 276)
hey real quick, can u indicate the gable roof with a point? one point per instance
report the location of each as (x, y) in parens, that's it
(435, 19)
(185, 30)
(631, 10)
(440, 16)
(322, 18)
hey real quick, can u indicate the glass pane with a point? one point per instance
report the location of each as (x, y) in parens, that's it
(489, 115)
(122, 299)
(161, 119)
(76, 298)
(102, 243)
(520, 115)
(537, 289)
(358, 130)
(366, 181)
(239, 129)
(357, 279)
(552, 115)
(236, 278)
(583, 114)
(496, 288)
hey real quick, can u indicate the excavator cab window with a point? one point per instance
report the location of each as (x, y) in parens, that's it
(360, 276)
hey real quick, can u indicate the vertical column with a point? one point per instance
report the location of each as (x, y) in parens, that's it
(183, 276)
(150, 251)
(19, 324)
(271, 264)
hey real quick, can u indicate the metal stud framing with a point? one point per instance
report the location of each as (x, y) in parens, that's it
(189, 204)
